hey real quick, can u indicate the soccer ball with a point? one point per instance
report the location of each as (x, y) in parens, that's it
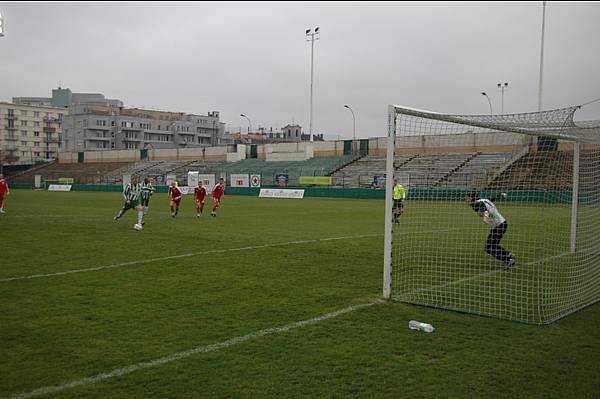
(138, 227)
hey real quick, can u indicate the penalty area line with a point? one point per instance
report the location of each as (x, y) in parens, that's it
(185, 354)
(214, 251)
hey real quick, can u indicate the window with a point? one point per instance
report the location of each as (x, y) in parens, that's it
(37, 154)
(23, 143)
(23, 133)
(36, 134)
(36, 114)
(36, 124)
(23, 123)
(23, 153)
(100, 123)
(36, 144)
(23, 113)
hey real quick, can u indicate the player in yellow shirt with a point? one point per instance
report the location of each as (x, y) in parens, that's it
(399, 197)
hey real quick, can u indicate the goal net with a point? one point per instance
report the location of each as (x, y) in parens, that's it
(502, 215)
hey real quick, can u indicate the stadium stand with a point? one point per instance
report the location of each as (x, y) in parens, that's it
(82, 173)
(541, 170)
(456, 170)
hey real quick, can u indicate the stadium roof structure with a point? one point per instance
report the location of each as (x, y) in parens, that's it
(557, 123)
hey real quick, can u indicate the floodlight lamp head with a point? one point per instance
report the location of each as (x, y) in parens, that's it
(346, 106)
(483, 93)
(317, 29)
(307, 31)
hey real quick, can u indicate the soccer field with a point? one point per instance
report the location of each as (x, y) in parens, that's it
(273, 298)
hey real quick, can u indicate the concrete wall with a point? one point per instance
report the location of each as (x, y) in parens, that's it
(456, 143)
(468, 142)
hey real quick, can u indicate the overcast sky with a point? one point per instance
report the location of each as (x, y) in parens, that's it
(253, 58)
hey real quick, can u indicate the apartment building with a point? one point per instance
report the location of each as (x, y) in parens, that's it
(29, 133)
(96, 128)
(96, 123)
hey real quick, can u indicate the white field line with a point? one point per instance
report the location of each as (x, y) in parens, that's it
(151, 260)
(139, 262)
(182, 355)
(419, 290)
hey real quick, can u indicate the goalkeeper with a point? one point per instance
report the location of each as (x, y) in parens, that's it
(487, 210)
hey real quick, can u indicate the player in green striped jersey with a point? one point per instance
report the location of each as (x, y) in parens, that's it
(132, 192)
(147, 191)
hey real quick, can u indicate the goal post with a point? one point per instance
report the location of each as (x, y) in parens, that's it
(502, 213)
(389, 182)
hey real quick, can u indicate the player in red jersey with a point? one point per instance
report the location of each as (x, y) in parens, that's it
(217, 193)
(175, 195)
(199, 194)
(3, 191)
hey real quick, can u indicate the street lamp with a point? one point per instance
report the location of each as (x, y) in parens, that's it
(483, 93)
(353, 127)
(311, 37)
(501, 87)
(249, 123)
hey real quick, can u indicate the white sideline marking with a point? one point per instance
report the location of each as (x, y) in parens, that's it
(138, 262)
(181, 355)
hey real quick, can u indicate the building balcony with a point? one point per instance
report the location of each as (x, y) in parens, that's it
(49, 129)
(97, 138)
(156, 131)
(134, 139)
(50, 119)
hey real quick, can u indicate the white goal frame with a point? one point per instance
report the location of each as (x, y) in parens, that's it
(566, 132)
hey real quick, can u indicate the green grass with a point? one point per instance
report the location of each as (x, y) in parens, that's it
(63, 328)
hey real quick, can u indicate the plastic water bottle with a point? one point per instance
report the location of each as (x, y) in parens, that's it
(417, 325)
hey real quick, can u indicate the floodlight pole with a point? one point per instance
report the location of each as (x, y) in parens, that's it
(489, 102)
(311, 37)
(542, 57)
(502, 87)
